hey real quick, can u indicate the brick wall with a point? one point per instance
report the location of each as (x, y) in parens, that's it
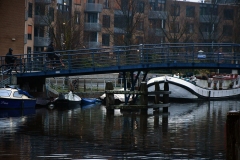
(12, 18)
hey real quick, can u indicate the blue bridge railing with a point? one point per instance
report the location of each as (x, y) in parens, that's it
(131, 58)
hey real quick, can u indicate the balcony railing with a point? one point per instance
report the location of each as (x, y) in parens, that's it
(157, 15)
(41, 41)
(92, 27)
(208, 18)
(156, 32)
(94, 44)
(43, 1)
(41, 19)
(93, 7)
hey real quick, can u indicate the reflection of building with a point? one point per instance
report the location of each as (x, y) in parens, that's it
(29, 25)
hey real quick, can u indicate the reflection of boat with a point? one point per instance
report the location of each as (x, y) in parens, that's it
(119, 98)
(89, 101)
(13, 98)
(16, 112)
(216, 87)
(65, 100)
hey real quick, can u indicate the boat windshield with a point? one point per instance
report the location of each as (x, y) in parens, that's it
(5, 93)
(16, 94)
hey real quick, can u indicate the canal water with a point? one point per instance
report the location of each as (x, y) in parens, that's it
(188, 131)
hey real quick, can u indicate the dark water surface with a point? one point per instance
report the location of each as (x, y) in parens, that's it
(189, 131)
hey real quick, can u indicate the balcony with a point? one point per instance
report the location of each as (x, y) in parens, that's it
(156, 32)
(96, 27)
(93, 44)
(119, 30)
(157, 15)
(41, 20)
(208, 35)
(43, 1)
(93, 7)
(208, 19)
(41, 41)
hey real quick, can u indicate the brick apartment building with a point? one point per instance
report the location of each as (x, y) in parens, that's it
(29, 25)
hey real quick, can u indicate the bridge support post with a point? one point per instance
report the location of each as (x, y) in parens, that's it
(157, 88)
(233, 132)
(165, 97)
(109, 98)
(144, 97)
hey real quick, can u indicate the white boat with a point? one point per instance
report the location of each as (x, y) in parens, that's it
(199, 87)
(12, 97)
(64, 101)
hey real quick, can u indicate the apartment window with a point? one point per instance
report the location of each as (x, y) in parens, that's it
(29, 32)
(174, 27)
(208, 10)
(105, 39)
(30, 9)
(139, 39)
(120, 22)
(77, 18)
(175, 10)
(77, 2)
(155, 23)
(93, 37)
(227, 30)
(140, 25)
(156, 6)
(51, 13)
(39, 10)
(92, 18)
(189, 28)
(106, 21)
(39, 31)
(106, 4)
(228, 14)
(190, 11)
(91, 1)
(140, 7)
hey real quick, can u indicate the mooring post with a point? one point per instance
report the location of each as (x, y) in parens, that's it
(109, 98)
(144, 97)
(233, 135)
(165, 97)
(157, 98)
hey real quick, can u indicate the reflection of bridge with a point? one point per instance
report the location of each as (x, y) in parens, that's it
(134, 58)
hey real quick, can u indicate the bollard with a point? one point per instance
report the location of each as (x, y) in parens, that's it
(233, 134)
(144, 97)
(109, 97)
(157, 98)
(165, 97)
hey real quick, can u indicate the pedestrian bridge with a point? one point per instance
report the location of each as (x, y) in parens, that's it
(143, 57)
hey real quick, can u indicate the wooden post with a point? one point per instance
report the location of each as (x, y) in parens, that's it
(144, 97)
(165, 97)
(157, 88)
(109, 98)
(233, 132)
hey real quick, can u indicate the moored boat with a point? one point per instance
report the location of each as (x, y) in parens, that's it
(86, 101)
(65, 101)
(216, 86)
(12, 97)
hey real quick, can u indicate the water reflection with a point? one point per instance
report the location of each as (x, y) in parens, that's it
(188, 131)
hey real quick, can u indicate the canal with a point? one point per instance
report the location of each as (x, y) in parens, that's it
(189, 131)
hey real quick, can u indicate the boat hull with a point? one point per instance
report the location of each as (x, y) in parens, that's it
(181, 89)
(9, 103)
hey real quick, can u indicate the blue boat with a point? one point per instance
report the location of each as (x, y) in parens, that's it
(15, 98)
(89, 101)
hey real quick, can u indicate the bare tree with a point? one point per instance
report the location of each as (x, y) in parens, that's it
(57, 22)
(127, 21)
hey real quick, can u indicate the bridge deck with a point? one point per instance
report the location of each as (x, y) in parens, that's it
(132, 58)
